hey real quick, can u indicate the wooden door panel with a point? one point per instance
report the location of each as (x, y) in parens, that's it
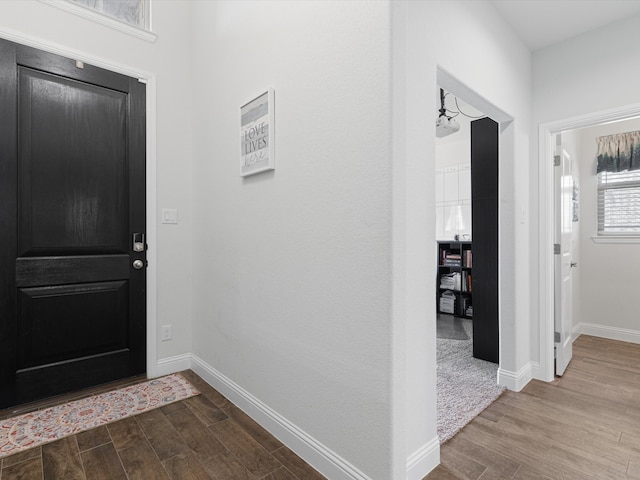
(37, 271)
(70, 175)
(36, 383)
(70, 322)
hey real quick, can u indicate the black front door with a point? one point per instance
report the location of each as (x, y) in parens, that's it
(72, 224)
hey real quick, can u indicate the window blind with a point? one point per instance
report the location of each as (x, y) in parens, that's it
(619, 202)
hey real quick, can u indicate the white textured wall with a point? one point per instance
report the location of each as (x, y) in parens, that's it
(591, 73)
(491, 61)
(169, 59)
(484, 54)
(609, 282)
(291, 291)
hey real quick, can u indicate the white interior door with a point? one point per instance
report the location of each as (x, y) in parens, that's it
(563, 202)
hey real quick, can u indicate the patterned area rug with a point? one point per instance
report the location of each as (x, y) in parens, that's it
(466, 385)
(50, 424)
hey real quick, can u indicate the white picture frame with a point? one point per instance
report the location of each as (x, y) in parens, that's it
(257, 133)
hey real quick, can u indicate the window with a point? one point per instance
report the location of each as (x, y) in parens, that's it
(132, 17)
(619, 203)
(133, 12)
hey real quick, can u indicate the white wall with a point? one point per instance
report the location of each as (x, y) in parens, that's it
(609, 283)
(588, 74)
(170, 61)
(483, 54)
(292, 289)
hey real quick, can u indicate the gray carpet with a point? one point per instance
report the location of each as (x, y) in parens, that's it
(466, 385)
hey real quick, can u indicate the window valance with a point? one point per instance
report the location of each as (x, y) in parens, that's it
(619, 152)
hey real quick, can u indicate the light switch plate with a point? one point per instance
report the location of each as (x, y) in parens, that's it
(169, 215)
(165, 333)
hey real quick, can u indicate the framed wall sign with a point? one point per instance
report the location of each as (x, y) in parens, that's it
(257, 131)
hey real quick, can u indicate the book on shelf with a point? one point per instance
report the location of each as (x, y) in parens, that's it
(450, 259)
(467, 259)
(466, 281)
(447, 262)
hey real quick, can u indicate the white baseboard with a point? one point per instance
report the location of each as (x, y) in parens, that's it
(603, 331)
(167, 366)
(423, 460)
(516, 381)
(327, 462)
(535, 371)
(313, 452)
(576, 331)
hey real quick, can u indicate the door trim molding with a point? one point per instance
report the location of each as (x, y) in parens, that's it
(150, 80)
(546, 219)
(506, 223)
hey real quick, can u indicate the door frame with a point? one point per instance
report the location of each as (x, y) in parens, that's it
(505, 143)
(150, 80)
(547, 218)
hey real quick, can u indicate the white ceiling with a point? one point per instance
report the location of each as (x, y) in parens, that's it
(541, 23)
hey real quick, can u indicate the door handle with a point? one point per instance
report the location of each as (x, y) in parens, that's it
(138, 264)
(138, 242)
(573, 264)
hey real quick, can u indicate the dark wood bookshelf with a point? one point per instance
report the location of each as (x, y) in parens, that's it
(455, 262)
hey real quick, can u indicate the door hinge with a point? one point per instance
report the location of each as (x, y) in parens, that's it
(556, 249)
(556, 160)
(557, 337)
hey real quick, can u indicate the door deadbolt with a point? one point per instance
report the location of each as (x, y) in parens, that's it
(138, 264)
(138, 242)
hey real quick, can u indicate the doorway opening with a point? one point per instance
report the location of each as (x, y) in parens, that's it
(467, 230)
(592, 301)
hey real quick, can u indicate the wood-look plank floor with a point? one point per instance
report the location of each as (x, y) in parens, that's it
(201, 438)
(583, 426)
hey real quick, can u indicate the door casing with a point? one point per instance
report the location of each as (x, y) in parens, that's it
(153, 370)
(505, 303)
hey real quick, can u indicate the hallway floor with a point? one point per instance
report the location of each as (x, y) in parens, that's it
(204, 437)
(585, 425)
